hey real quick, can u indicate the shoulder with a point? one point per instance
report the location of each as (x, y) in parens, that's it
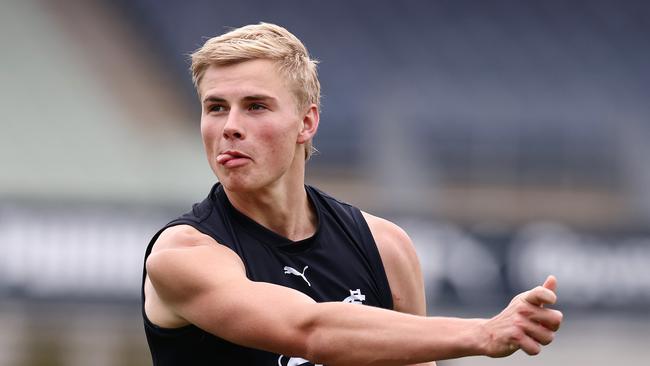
(184, 266)
(400, 262)
(391, 239)
(181, 236)
(182, 251)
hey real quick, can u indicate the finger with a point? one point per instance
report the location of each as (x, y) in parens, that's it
(550, 283)
(549, 318)
(539, 333)
(540, 296)
(529, 346)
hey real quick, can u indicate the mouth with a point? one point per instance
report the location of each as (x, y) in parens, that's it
(232, 158)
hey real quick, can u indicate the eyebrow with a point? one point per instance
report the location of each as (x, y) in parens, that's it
(248, 98)
(210, 99)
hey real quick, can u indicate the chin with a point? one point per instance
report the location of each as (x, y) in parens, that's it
(239, 183)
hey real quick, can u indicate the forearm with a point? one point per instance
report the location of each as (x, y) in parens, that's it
(344, 334)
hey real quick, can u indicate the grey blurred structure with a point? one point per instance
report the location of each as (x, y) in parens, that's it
(509, 138)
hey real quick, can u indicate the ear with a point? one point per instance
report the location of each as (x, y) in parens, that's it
(309, 125)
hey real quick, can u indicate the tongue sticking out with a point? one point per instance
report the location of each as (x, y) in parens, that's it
(223, 158)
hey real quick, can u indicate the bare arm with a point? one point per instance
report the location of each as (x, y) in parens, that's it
(205, 284)
(407, 287)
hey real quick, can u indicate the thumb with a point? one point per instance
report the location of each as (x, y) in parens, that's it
(540, 295)
(551, 283)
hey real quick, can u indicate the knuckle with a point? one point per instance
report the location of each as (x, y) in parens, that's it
(521, 301)
(554, 326)
(517, 336)
(528, 311)
(532, 348)
(556, 321)
(518, 322)
(547, 339)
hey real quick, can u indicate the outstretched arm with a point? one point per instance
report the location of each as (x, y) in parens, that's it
(405, 278)
(205, 284)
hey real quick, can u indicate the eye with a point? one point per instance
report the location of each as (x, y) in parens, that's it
(216, 108)
(256, 107)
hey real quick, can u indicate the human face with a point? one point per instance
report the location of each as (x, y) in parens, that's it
(251, 128)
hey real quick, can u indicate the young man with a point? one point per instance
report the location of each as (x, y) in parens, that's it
(269, 271)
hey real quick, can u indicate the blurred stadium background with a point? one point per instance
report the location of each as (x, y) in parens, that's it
(510, 138)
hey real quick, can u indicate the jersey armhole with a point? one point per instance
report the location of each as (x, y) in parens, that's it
(373, 251)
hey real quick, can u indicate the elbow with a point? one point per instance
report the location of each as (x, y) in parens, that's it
(315, 348)
(325, 342)
(314, 345)
(321, 347)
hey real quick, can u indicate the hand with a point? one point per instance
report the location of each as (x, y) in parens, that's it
(524, 323)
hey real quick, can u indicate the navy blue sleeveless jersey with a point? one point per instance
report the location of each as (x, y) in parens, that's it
(340, 262)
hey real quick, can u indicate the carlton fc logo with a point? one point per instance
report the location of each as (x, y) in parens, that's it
(294, 361)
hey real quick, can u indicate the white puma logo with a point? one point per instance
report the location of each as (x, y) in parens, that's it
(290, 270)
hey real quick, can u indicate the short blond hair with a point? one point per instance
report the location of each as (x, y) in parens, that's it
(264, 41)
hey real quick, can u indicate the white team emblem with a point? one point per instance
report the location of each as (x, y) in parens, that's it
(356, 297)
(294, 361)
(290, 270)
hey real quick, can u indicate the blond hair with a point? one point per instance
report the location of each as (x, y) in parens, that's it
(264, 41)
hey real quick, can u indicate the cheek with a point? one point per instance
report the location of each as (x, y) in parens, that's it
(208, 133)
(279, 141)
(284, 151)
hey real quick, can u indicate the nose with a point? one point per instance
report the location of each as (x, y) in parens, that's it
(233, 128)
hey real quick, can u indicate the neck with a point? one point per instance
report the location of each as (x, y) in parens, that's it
(284, 209)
